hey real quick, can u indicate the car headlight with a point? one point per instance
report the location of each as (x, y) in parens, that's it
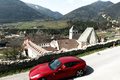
(35, 76)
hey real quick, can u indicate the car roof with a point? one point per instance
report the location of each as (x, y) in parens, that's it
(68, 59)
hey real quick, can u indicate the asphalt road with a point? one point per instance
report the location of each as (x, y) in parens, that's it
(103, 65)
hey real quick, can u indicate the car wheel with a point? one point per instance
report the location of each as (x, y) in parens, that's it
(79, 73)
(42, 79)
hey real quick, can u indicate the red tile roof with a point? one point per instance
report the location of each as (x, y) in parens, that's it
(68, 43)
(102, 36)
(39, 41)
(50, 49)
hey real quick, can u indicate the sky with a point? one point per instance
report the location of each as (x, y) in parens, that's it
(64, 6)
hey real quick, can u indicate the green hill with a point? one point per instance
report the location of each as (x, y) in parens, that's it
(46, 11)
(16, 10)
(114, 11)
(88, 12)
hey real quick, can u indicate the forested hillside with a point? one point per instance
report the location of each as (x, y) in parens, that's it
(89, 12)
(15, 10)
(46, 11)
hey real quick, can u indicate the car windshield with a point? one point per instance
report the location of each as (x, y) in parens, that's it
(54, 64)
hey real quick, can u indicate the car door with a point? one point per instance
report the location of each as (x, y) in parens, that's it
(70, 68)
(74, 67)
(63, 71)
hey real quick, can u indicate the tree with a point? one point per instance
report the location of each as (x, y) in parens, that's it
(69, 23)
(13, 53)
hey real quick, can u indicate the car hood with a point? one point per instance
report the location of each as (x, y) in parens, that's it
(40, 69)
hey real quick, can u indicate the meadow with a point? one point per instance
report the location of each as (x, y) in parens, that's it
(38, 25)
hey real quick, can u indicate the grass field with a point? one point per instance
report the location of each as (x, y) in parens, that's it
(44, 25)
(110, 35)
(106, 34)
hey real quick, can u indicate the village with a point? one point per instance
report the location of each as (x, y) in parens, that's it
(34, 48)
(59, 39)
(38, 51)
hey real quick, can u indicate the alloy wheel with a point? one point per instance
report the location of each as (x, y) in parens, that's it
(79, 73)
(41, 79)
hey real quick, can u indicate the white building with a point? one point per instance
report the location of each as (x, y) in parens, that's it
(89, 36)
(72, 32)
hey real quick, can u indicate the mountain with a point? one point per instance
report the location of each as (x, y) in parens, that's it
(16, 10)
(88, 12)
(46, 11)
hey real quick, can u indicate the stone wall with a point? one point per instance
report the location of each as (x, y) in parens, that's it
(14, 65)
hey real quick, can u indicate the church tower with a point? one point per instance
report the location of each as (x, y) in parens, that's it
(72, 32)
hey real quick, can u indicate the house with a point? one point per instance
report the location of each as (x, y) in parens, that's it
(32, 50)
(64, 44)
(42, 43)
(36, 48)
(102, 37)
(50, 49)
(12, 35)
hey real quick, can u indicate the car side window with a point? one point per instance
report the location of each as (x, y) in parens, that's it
(66, 65)
(74, 63)
(69, 64)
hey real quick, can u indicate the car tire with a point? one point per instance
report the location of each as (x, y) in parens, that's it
(42, 79)
(79, 73)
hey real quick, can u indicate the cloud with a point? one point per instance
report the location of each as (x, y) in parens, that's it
(71, 1)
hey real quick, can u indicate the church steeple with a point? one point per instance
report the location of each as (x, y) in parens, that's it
(72, 31)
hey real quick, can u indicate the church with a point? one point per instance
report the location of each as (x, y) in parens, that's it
(88, 37)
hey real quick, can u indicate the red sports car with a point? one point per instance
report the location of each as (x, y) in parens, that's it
(60, 68)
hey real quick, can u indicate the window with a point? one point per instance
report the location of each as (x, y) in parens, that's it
(70, 64)
(54, 64)
(74, 63)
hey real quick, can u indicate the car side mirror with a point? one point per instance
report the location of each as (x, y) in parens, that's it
(59, 69)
